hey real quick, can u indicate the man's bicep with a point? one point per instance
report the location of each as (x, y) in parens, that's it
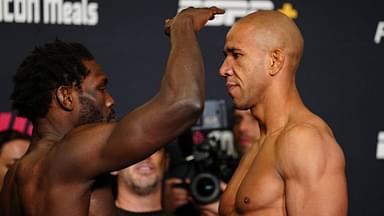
(325, 196)
(96, 149)
(145, 130)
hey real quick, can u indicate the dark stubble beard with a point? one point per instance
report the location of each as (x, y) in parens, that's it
(145, 190)
(89, 113)
(142, 188)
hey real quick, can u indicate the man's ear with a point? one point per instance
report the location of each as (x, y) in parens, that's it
(64, 97)
(276, 62)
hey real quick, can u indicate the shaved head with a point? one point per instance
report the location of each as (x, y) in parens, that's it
(273, 30)
(262, 53)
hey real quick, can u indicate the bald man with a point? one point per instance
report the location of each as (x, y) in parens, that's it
(298, 169)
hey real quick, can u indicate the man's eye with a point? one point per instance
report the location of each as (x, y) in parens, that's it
(236, 55)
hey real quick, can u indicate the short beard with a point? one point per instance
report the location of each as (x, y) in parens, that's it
(139, 184)
(89, 113)
(144, 190)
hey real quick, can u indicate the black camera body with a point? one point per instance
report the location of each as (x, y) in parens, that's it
(209, 165)
(208, 158)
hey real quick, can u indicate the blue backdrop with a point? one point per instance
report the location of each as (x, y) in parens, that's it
(340, 77)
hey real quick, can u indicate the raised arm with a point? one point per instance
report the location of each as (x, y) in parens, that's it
(171, 111)
(180, 100)
(312, 165)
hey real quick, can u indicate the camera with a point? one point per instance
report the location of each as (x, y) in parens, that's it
(212, 165)
(208, 154)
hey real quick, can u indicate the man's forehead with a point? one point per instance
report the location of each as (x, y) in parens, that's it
(232, 44)
(238, 37)
(92, 65)
(95, 69)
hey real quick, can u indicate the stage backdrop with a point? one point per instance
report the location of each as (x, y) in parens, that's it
(340, 78)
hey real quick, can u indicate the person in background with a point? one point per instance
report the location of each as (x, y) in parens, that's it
(246, 132)
(139, 186)
(13, 145)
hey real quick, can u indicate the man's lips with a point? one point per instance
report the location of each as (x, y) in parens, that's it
(144, 168)
(244, 141)
(231, 86)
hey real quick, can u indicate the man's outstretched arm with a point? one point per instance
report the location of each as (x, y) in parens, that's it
(171, 111)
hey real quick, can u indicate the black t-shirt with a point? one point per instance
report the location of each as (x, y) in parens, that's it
(122, 212)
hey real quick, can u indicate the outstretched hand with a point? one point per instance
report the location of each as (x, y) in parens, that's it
(199, 16)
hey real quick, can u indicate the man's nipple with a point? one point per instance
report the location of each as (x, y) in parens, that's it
(246, 200)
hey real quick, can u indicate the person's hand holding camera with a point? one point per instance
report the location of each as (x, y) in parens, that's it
(174, 197)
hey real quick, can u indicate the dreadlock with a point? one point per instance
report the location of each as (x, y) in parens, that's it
(44, 70)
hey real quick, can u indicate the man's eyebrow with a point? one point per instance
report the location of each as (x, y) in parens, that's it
(231, 49)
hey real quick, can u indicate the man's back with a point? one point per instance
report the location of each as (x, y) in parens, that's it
(290, 164)
(29, 190)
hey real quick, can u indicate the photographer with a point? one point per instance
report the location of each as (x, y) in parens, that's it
(207, 166)
(246, 133)
(179, 200)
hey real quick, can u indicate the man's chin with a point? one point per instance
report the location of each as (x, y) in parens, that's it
(240, 105)
(111, 117)
(111, 120)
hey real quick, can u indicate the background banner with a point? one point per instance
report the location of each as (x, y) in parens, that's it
(340, 78)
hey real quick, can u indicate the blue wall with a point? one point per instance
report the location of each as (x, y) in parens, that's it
(340, 77)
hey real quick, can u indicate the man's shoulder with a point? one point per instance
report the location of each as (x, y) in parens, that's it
(307, 144)
(307, 130)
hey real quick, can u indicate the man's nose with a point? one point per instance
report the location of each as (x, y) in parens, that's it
(226, 69)
(109, 102)
(243, 126)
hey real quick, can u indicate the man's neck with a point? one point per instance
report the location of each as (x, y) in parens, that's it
(48, 131)
(52, 126)
(274, 113)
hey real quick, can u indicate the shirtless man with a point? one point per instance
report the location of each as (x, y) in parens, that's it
(298, 169)
(75, 144)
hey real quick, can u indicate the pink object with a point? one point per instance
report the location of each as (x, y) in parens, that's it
(19, 124)
(5, 119)
(29, 130)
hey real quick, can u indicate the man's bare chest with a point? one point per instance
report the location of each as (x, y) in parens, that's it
(262, 185)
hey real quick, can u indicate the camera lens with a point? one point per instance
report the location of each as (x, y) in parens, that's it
(205, 188)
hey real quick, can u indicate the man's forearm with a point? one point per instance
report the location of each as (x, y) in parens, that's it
(184, 76)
